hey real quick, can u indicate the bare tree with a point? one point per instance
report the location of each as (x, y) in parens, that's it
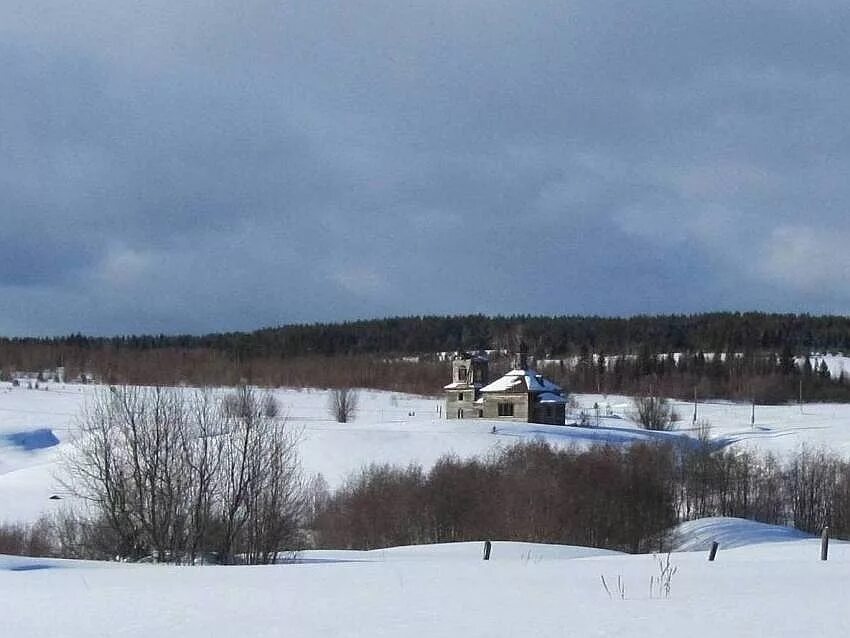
(342, 404)
(653, 412)
(173, 474)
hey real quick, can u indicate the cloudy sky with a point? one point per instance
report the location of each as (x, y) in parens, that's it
(215, 165)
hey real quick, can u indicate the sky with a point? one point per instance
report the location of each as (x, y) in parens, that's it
(201, 166)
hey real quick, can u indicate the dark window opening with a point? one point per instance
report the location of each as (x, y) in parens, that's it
(506, 409)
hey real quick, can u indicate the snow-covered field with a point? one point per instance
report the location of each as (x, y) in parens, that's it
(392, 428)
(761, 587)
(766, 581)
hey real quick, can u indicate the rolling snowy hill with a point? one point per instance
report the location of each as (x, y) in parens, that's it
(757, 589)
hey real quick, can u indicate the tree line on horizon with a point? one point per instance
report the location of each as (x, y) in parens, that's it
(585, 354)
(544, 335)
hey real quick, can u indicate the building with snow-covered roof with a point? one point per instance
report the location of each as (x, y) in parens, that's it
(523, 394)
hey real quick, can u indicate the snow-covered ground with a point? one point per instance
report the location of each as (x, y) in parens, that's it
(392, 428)
(766, 580)
(759, 588)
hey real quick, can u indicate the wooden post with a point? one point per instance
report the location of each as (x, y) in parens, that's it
(695, 405)
(824, 543)
(487, 545)
(713, 552)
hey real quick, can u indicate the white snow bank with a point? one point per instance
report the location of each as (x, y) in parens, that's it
(730, 533)
(776, 589)
(463, 551)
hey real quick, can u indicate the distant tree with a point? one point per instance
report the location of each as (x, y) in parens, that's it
(807, 367)
(787, 363)
(653, 412)
(342, 404)
(601, 366)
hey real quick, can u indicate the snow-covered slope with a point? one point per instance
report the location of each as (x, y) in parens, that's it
(730, 533)
(773, 589)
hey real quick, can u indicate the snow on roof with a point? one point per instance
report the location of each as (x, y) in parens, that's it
(454, 386)
(531, 379)
(549, 397)
(507, 382)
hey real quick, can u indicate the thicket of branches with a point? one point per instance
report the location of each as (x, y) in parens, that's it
(625, 499)
(605, 497)
(179, 476)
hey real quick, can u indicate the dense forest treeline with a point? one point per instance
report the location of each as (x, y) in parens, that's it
(586, 354)
(545, 336)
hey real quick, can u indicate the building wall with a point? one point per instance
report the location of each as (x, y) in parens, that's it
(520, 401)
(453, 404)
(557, 414)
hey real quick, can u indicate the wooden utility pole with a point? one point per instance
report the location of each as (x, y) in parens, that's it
(695, 405)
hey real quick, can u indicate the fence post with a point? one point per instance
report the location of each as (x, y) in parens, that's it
(824, 543)
(487, 546)
(713, 552)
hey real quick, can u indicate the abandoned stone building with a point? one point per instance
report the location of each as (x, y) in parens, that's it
(523, 394)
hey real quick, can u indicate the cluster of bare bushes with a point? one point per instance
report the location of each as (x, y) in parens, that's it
(181, 476)
(809, 491)
(37, 539)
(616, 498)
(604, 497)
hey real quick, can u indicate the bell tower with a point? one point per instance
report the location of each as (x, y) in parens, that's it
(469, 375)
(521, 357)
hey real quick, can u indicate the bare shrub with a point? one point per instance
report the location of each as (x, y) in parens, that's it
(703, 432)
(653, 412)
(271, 407)
(342, 404)
(661, 585)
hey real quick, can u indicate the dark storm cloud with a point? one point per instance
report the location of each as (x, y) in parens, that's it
(198, 166)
